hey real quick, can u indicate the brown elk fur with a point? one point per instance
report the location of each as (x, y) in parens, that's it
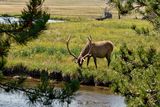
(100, 49)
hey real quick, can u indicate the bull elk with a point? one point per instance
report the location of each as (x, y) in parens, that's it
(99, 49)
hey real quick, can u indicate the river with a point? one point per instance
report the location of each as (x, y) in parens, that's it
(8, 20)
(87, 96)
(82, 99)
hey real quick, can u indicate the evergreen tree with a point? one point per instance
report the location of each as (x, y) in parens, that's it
(150, 9)
(31, 23)
(122, 6)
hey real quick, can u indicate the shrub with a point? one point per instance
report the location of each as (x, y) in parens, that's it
(141, 31)
(138, 76)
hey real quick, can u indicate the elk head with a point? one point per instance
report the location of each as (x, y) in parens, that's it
(84, 53)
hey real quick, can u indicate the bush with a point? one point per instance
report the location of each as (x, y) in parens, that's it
(141, 31)
(138, 76)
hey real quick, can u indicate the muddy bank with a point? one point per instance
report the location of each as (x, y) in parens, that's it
(20, 70)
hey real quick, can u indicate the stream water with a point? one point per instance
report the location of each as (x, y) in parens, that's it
(87, 96)
(82, 99)
(8, 20)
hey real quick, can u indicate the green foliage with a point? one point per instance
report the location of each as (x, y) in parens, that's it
(67, 92)
(149, 8)
(4, 49)
(153, 12)
(32, 21)
(122, 9)
(44, 93)
(138, 81)
(141, 31)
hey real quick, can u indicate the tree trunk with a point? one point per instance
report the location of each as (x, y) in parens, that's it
(119, 15)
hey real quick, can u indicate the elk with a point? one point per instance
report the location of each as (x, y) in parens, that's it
(99, 49)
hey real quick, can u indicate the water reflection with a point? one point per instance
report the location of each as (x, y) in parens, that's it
(82, 99)
(8, 20)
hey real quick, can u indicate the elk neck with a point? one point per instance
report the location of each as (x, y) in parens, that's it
(85, 50)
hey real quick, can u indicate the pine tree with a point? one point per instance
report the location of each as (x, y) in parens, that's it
(150, 9)
(31, 23)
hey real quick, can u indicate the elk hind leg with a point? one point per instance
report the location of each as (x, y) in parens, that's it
(108, 57)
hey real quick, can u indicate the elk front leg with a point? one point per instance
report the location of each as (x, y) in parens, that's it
(88, 58)
(95, 61)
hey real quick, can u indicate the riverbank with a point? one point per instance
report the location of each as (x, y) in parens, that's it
(20, 70)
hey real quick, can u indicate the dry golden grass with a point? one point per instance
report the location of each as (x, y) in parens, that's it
(11, 9)
(75, 10)
(92, 8)
(86, 8)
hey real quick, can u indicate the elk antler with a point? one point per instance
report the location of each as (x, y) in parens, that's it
(69, 49)
(90, 38)
(88, 54)
(90, 47)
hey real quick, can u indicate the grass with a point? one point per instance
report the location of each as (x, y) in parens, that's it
(49, 50)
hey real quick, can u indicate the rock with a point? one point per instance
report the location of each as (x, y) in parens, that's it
(107, 15)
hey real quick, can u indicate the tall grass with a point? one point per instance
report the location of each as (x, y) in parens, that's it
(49, 51)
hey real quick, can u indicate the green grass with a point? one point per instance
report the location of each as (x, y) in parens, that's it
(49, 50)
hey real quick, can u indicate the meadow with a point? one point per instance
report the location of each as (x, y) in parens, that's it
(136, 78)
(49, 50)
(131, 66)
